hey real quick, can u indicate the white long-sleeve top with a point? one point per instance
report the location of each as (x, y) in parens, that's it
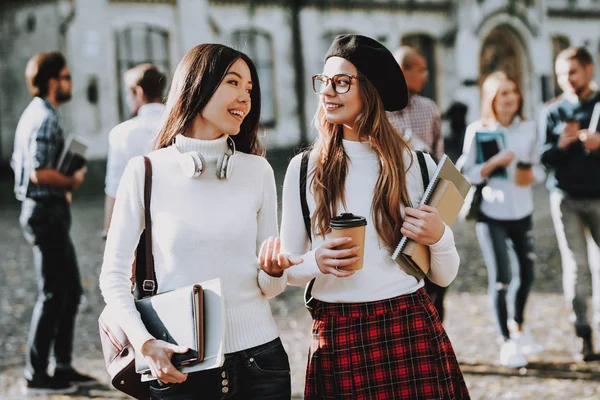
(503, 199)
(381, 278)
(129, 139)
(203, 228)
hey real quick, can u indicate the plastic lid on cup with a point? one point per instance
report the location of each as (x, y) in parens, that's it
(347, 220)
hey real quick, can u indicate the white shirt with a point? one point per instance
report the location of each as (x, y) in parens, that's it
(502, 198)
(129, 139)
(203, 228)
(381, 278)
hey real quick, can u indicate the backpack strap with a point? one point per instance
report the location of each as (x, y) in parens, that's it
(303, 202)
(308, 299)
(423, 167)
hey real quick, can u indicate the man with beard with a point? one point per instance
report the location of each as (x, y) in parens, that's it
(572, 153)
(45, 220)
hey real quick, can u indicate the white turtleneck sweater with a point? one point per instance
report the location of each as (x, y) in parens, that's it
(381, 278)
(203, 228)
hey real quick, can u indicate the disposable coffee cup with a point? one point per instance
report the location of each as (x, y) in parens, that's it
(353, 226)
(523, 173)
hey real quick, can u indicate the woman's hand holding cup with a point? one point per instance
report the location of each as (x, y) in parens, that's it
(423, 225)
(272, 261)
(333, 261)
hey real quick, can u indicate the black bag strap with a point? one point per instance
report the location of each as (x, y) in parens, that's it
(149, 285)
(303, 202)
(424, 170)
(308, 299)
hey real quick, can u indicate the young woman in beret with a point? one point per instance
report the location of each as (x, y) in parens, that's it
(375, 334)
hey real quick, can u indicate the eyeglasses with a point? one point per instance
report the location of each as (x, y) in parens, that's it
(341, 83)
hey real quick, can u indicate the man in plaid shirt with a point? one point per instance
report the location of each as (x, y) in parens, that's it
(420, 122)
(421, 125)
(46, 220)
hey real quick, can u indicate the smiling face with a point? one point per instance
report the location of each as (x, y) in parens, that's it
(507, 100)
(229, 105)
(572, 76)
(341, 109)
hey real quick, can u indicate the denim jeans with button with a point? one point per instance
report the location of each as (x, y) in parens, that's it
(46, 224)
(258, 373)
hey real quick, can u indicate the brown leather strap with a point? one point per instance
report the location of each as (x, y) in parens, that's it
(149, 285)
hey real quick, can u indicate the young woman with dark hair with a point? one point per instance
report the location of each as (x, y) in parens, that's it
(375, 332)
(208, 222)
(506, 207)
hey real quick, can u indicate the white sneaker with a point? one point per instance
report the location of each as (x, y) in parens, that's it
(511, 356)
(525, 342)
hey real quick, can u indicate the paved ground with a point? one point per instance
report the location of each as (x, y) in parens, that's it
(469, 323)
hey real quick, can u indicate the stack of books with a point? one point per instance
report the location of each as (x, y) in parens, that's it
(446, 192)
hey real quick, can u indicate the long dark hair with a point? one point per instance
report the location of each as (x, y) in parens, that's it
(196, 79)
(331, 169)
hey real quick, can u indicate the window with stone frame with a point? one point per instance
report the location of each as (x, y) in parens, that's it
(425, 45)
(137, 45)
(559, 43)
(259, 47)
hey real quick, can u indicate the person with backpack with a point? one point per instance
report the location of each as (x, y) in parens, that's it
(375, 333)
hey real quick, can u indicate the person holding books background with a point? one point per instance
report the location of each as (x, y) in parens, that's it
(145, 85)
(214, 202)
(572, 153)
(375, 331)
(46, 221)
(501, 154)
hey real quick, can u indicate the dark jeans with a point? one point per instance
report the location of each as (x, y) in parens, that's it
(492, 236)
(261, 373)
(437, 294)
(46, 225)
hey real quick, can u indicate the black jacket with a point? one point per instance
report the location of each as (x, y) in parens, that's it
(576, 172)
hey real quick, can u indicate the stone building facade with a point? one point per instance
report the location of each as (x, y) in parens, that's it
(463, 40)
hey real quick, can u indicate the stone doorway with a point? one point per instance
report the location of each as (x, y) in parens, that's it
(504, 50)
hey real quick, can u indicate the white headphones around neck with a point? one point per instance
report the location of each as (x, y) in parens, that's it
(193, 164)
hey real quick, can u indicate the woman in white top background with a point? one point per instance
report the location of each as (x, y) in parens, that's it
(206, 227)
(506, 207)
(376, 333)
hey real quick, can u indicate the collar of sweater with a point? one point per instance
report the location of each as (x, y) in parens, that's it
(210, 149)
(357, 149)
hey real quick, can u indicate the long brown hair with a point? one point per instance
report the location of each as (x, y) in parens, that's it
(489, 91)
(196, 79)
(331, 169)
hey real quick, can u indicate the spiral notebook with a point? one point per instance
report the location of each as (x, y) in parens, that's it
(446, 192)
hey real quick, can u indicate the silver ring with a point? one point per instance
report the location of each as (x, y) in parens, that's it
(337, 268)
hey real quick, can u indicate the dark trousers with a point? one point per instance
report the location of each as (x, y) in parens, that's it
(437, 294)
(258, 373)
(492, 236)
(46, 225)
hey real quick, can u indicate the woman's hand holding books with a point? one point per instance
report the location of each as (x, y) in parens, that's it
(423, 225)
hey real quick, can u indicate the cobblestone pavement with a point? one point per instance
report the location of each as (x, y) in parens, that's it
(553, 375)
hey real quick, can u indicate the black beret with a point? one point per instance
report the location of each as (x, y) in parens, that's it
(375, 62)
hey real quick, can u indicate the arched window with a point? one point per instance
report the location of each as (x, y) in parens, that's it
(258, 46)
(425, 45)
(559, 43)
(137, 45)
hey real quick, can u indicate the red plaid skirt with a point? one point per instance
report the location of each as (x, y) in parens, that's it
(389, 349)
